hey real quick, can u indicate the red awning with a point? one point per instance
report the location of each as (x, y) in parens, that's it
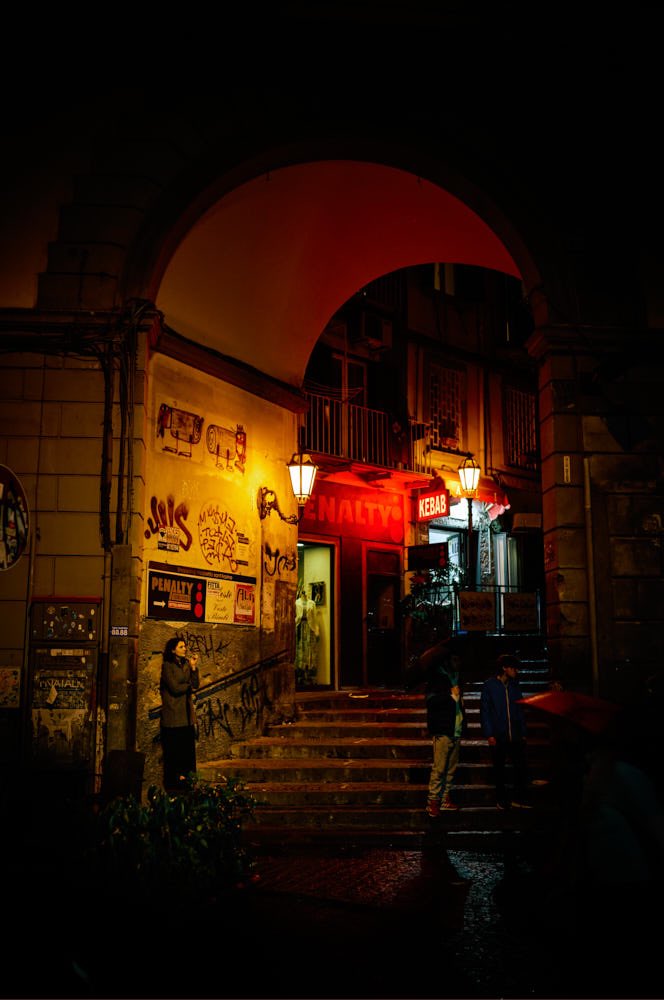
(488, 490)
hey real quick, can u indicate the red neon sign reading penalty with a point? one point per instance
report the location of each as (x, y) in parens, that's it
(430, 505)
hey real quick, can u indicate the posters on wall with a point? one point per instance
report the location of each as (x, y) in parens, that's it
(61, 706)
(184, 594)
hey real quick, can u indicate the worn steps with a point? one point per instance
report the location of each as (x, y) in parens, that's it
(355, 764)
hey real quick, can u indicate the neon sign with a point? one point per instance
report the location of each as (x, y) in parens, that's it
(430, 505)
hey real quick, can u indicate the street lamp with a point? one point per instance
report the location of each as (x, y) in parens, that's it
(302, 473)
(469, 477)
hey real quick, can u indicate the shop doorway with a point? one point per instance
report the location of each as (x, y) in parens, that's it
(383, 620)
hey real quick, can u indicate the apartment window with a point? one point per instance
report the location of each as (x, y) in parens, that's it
(446, 393)
(520, 428)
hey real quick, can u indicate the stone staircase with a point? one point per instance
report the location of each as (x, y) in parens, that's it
(354, 766)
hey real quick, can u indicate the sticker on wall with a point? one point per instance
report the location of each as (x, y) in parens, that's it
(10, 687)
(14, 519)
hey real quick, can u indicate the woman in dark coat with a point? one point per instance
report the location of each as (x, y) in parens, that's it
(179, 679)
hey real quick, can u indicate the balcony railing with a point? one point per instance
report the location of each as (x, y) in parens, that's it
(346, 430)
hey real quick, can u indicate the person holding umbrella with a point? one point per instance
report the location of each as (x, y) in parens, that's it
(504, 727)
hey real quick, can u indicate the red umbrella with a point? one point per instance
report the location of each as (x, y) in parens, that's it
(592, 714)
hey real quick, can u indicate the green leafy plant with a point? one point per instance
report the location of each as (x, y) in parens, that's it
(189, 844)
(428, 608)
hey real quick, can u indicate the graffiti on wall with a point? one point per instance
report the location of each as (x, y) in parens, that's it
(268, 502)
(219, 537)
(215, 714)
(168, 521)
(204, 645)
(275, 562)
(180, 430)
(185, 427)
(284, 600)
(229, 447)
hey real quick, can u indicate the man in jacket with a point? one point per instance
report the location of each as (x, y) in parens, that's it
(504, 727)
(439, 667)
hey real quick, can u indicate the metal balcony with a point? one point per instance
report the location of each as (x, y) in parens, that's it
(359, 434)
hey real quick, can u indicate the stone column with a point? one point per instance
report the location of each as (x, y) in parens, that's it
(567, 601)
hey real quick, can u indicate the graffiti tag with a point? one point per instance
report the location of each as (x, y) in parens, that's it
(166, 516)
(275, 562)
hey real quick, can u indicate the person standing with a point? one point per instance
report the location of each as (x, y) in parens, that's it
(179, 680)
(439, 667)
(504, 727)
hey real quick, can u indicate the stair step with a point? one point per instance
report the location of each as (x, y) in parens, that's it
(361, 773)
(336, 729)
(279, 748)
(355, 764)
(370, 795)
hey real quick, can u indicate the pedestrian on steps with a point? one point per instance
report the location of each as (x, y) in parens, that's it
(504, 727)
(439, 667)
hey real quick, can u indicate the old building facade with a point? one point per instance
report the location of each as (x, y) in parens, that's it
(166, 275)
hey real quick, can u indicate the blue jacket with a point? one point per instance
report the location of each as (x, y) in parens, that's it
(500, 715)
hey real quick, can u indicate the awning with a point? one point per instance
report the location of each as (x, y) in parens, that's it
(488, 490)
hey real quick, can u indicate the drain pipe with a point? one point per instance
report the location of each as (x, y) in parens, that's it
(590, 560)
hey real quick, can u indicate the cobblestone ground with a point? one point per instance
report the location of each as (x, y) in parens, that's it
(341, 922)
(456, 924)
(451, 905)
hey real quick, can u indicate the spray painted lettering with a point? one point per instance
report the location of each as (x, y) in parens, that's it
(215, 714)
(275, 562)
(166, 516)
(203, 645)
(217, 535)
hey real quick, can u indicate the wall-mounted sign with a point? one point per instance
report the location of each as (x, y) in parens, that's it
(432, 504)
(477, 610)
(338, 509)
(432, 556)
(520, 612)
(182, 594)
(14, 519)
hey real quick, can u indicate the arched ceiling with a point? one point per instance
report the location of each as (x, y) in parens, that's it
(258, 277)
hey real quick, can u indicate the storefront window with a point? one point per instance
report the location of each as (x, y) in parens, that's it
(314, 618)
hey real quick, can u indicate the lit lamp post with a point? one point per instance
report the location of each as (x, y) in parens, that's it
(302, 473)
(469, 476)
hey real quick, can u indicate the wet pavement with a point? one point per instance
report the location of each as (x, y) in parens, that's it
(345, 923)
(339, 921)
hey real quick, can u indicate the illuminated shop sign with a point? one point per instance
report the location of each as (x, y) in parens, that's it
(430, 505)
(345, 510)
